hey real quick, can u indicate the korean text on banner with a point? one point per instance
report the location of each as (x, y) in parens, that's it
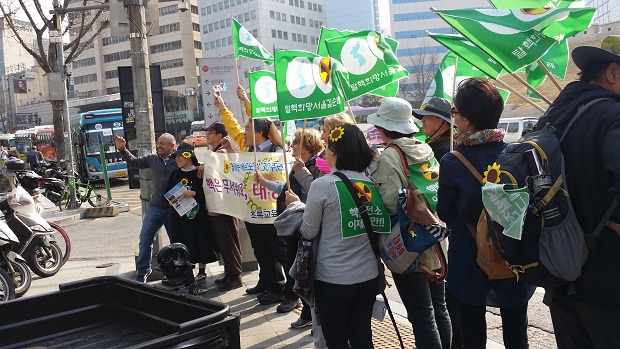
(230, 189)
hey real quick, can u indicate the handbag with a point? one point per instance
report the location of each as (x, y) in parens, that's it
(303, 270)
(416, 230)
(374, 242)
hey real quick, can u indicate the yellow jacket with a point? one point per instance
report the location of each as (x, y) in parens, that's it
(235, 131)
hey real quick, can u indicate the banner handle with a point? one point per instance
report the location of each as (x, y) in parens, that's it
(553, 79)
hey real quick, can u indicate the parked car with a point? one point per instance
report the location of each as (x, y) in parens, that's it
(515, 127)
(196, 141)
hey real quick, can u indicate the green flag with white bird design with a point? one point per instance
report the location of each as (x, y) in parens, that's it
(369, 60)
(264, 96)
(247, 46)
(517, 37)
(306, 85)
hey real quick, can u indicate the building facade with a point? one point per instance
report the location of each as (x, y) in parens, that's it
(173, 45)
(355, 15)
(281, 24)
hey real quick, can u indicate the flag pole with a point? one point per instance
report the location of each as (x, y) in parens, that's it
(504, 85)
(456, 63)
(531, 88)
(239, 84)
(288, 184)
(553, 79)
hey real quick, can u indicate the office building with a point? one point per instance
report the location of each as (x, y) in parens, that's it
(173, 45)
(284, 24)
(355, 15)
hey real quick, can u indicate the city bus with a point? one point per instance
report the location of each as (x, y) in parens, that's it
(87, 130)
(7, 140)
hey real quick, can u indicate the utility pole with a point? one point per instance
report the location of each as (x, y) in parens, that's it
(55, 36)
(143, 104)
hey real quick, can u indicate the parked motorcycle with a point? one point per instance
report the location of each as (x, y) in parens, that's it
(12, 266)
(50, 187)
(36, 237)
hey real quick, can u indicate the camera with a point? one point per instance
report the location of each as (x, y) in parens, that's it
(68, 69)
(183, 6)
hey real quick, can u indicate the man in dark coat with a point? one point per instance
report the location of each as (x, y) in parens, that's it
(586, 313)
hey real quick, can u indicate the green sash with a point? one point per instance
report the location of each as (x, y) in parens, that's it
(352, 223)
(425, 177)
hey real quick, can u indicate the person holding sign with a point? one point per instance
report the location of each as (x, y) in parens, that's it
(259, 135)
(347, 273)
(191, 228)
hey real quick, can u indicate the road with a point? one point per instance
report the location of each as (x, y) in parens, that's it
(117, 238)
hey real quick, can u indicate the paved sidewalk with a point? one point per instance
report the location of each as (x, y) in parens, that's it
(261, 326)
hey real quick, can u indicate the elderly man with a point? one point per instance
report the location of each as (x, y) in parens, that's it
(159, 211)
(586, 313)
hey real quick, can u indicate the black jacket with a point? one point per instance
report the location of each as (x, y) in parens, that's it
(592, 164)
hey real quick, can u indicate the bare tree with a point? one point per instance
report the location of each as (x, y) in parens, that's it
(81, 26)
(422, 69)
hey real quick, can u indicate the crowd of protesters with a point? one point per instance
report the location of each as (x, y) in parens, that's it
(447, 314)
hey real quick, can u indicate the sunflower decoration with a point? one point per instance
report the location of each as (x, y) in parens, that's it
(187, 154)
(492, 173)
(336, 134)
(184, 181)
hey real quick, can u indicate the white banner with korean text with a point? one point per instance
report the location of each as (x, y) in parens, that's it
(230, 189)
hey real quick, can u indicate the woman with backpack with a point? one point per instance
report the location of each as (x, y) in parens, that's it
(478, 107)
(423, 299)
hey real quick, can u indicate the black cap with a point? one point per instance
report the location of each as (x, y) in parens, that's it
(184, 149)
(217, 127)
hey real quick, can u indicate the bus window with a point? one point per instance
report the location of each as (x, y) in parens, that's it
(502, 125)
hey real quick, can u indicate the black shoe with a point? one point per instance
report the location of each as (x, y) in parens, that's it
(222, 280)
(256, 289)
(231, 284)
(270, 298)
(201, 279)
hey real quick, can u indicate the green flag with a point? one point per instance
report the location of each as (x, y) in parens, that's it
(443, 82)
(307, 87)
(516, 38)
(470, 53)
(264, 96)
(555, 60)
(389, 90)
(534, 3)
(247, 46)
(369, 61)
(326, 34)
(352, 223)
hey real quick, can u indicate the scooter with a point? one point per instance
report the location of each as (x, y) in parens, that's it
(50, 187)
(12, 266)
(36, 237)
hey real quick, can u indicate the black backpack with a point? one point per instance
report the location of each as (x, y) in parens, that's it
(552, 248)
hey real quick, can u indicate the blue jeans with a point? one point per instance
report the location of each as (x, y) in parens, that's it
(152, 221)
(426, 310)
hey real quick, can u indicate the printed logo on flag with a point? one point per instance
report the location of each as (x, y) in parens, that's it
(303, 77)
(359, 55)
(265, 90)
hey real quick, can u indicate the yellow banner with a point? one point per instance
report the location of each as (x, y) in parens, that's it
(230, 189)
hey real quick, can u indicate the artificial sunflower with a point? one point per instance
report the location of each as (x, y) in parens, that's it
(336, 134)
(492, 173)
(187, 154)
(184, 181)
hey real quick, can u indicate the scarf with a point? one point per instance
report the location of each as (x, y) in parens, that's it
(492, 135)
